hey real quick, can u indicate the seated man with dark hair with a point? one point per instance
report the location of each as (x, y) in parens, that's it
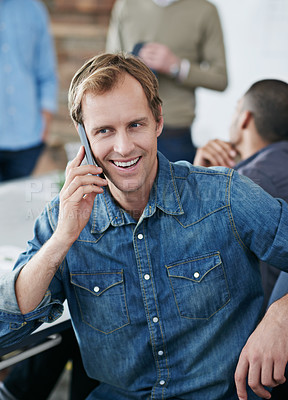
(259, 137)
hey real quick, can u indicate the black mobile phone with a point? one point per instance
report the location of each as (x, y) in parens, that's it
(89, 157)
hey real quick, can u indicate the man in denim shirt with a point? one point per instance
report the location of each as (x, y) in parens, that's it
(158, 260)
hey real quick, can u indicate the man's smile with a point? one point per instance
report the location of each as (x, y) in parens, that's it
(126, 164)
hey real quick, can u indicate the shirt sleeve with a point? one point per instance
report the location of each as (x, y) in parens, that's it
(259, 221)
(14, 325)
(45, 64)
(211, 70)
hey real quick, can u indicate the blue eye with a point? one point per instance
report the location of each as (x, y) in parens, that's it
(104, 130)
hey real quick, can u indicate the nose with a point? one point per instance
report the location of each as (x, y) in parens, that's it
(124, 144)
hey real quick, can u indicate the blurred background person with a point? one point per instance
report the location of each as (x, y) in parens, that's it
(28, 85)
(182, 42)
(259, 138)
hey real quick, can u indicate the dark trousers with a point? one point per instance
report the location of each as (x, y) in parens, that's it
(36, 377)
(18, 164)
(176, 144)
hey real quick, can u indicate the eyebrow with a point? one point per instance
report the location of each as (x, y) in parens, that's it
(141, 119)
(108, 126)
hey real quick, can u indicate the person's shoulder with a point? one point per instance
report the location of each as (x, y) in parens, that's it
(184, 169)
(271, 161)
(209, 186)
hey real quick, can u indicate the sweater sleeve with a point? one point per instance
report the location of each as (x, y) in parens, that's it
(210, 70)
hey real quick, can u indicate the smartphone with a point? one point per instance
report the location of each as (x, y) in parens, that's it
(85, 143)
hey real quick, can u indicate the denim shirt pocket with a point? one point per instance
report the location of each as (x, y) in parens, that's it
(102, 300)
(199, 285)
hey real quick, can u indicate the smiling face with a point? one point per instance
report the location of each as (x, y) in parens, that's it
(123, 137)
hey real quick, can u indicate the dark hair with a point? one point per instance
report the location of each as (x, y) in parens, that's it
(267, 100)
(102, 73)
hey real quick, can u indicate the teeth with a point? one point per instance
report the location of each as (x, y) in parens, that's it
(126, 164)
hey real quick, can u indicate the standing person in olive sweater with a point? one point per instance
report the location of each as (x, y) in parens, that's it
(182, 42)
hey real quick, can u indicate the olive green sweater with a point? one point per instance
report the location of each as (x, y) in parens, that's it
(192, 30)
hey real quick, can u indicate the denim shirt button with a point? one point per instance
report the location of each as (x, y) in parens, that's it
(96, 289)
(155, 319)
(140, 236)
(196, 275)
(162, 382)
(160, 353)
(146, 277)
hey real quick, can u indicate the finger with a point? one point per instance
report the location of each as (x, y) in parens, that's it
(223, 152)
(151, 47)
(148, 58)
(255, 381)
(207, 156)
(279, 372)
(216, 155)
(77, 160)
(83, 181)
(225, 147)
(240, 377)
(267, 378)
(82, 170)
(81, 193)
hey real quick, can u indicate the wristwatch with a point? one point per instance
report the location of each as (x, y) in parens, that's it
(174, 70)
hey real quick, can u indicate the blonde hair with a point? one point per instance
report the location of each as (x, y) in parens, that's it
(102, 73)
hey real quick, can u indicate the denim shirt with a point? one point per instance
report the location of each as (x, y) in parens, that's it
(28, 73)
(162, 306)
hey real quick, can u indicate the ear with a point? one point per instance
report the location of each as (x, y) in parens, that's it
(160, 123)
(245, 119)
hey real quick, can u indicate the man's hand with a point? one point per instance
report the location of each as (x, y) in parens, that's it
(216, 153)
(265, 355)
(76, 203)
(159, 57)
(47, 120)
(77, 197)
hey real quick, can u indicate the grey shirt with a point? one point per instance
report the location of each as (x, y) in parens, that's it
(269, 169)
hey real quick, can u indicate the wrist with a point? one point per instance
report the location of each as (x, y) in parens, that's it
(174, 70)
(180, 70)
(184, 69)
(61, 240)
(279, 310)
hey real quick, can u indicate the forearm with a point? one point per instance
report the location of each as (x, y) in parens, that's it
(34, 279)
(47, 119)
(76, 202)
(208, 76)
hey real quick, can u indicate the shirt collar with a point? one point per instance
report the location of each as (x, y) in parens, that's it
(164, 195)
